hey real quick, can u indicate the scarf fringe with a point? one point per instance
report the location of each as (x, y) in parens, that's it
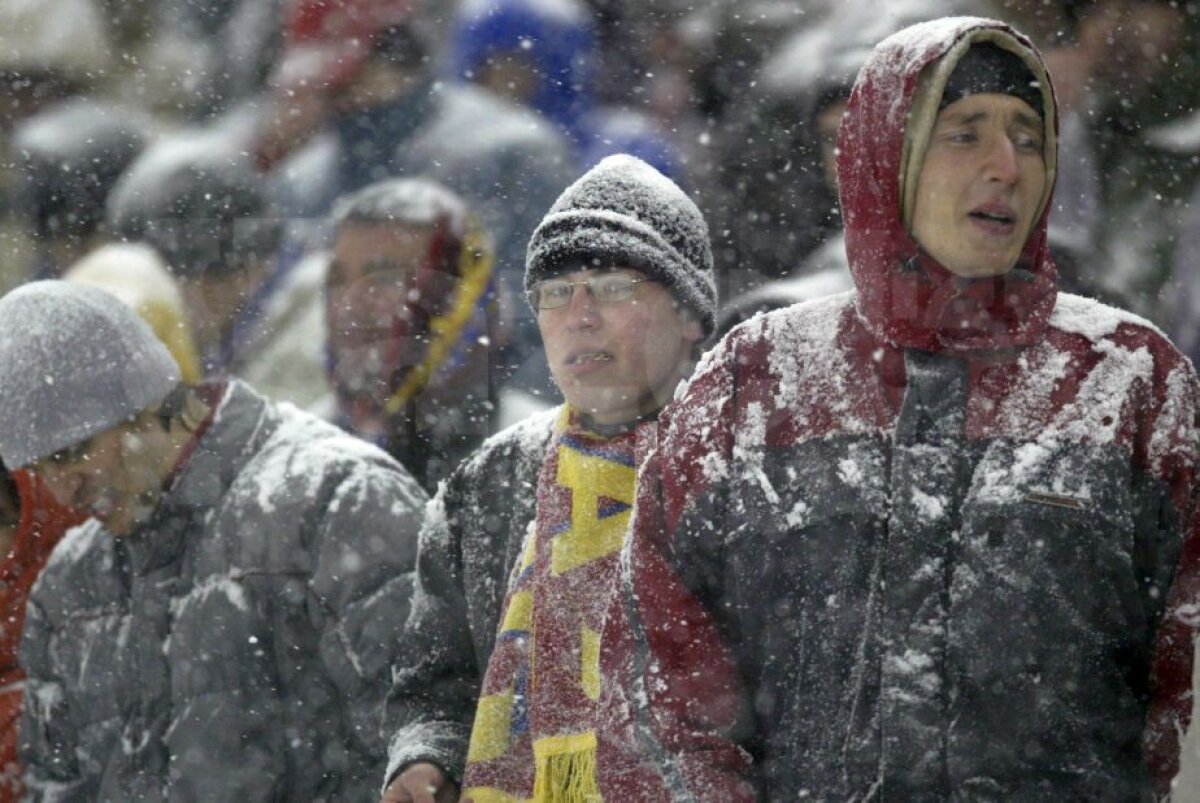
(566, 769)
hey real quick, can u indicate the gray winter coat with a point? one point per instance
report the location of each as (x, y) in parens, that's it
(472, 536)
(237, 646)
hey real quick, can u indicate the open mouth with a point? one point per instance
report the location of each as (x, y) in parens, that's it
(589, 358)
(1002, 218)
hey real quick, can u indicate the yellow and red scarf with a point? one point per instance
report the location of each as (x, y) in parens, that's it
(534, 736)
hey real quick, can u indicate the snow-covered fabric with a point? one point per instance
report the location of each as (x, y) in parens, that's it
(472, 536)
(966, 559)
(943, 556)
(238, 645)
(74, 362)
(624, 213)
(41, 525)
(665, 695)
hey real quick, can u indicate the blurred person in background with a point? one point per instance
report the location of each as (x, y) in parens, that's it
(356, 100)
(544, 56)
(49, 51)
(414, 325)
(137, 276)
(1128, 70)
(255, 310)
(68, 158)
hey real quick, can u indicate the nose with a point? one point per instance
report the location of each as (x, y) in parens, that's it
(581, 310)
(1001, 162)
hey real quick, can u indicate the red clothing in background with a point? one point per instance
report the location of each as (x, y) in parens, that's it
(43, 522)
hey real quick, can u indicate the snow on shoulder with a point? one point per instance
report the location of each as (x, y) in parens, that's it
(807, 362)
(1093, 319)
(299, 457)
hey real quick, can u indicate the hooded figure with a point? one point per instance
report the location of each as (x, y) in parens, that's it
(414, 321)
(937, 518)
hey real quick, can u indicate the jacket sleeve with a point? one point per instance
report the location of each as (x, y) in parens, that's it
(437, 677)
(47, 737)
(1168, 527)
(362, 584)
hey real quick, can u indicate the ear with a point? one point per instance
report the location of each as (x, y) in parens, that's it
(692, 331)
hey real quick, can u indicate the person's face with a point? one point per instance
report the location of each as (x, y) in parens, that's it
(377, 288)
(619, 360)
(116, 476)
(981, 184)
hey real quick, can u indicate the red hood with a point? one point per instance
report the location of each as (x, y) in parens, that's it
(905, 297)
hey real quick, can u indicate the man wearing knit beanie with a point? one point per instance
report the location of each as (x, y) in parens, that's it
(527, 666)
(230, 538)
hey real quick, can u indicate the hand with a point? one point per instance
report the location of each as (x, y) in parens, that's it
(421, 783)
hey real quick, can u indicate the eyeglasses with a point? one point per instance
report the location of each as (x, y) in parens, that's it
(605, 288)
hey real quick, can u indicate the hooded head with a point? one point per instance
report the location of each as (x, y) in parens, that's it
(410, 277)
(906, 296)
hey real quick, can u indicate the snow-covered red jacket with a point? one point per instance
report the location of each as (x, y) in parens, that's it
(937, 519)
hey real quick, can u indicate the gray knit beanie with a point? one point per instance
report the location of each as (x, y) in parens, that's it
(625, 213)
(74, 362)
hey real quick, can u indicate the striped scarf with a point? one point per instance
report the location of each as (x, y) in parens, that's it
(534, 736)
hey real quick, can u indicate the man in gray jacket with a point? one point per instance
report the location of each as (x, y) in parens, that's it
(221, 630)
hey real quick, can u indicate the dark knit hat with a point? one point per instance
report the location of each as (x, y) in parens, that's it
(987, 67)
(625, 213)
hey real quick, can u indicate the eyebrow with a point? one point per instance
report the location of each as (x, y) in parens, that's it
(1031, 121)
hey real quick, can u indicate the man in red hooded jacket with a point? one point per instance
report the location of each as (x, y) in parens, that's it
(938, 518)
(31, 523)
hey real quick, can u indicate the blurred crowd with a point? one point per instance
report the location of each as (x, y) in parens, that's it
(221, 134)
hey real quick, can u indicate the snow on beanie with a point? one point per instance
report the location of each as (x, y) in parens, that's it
(624, 213)
(74, 362)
